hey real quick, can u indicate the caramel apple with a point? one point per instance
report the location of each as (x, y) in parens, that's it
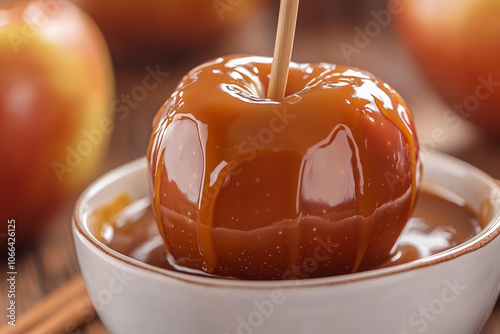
(252, 188)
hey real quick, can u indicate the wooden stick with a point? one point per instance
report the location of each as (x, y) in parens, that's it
(287, 22)
(68, 306)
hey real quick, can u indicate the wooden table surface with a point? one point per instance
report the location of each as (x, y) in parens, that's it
(51, 261)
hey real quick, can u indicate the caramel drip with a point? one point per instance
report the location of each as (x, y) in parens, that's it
(294, 235)
(361, 203)
(410, 137)
(206, 223)
(157, 194)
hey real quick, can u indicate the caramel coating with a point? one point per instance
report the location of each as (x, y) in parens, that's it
(321, 183)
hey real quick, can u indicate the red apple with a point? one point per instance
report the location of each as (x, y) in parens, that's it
(457, 44)
(134, 28)
(318, 184)
(56, 87)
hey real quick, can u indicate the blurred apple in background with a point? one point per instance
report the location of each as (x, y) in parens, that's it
(457, 43)
(139, 28)
(56, 87)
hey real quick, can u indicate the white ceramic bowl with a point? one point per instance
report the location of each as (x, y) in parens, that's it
(451, 292)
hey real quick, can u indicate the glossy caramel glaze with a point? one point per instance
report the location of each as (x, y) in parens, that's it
(129, 227)
(247, 187)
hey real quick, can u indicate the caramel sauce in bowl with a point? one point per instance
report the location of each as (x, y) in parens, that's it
(451, 291)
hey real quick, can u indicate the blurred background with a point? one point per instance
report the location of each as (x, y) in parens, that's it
(80, 86)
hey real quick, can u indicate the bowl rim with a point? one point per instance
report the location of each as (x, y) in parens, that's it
(484, 237)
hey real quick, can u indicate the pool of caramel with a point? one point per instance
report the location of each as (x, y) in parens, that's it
(437, 224)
